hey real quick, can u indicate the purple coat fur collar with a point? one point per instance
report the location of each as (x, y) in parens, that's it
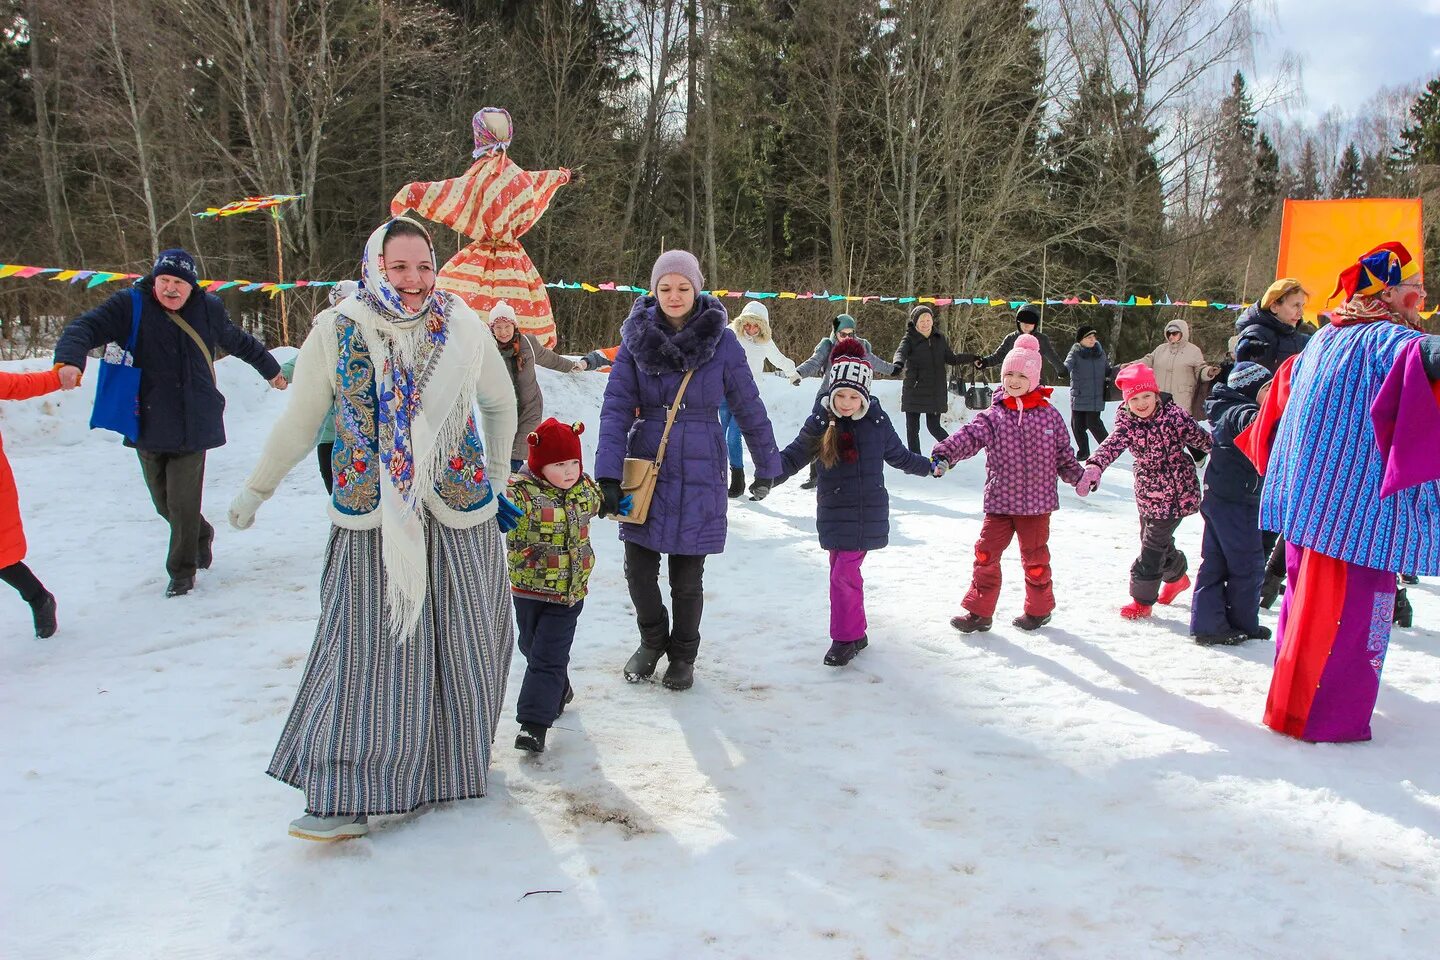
(658, 348)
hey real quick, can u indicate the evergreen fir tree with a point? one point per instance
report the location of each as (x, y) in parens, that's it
(1349, 183)
(1307, 176)
(1235, 156)
(1420, 142)
(1265, 188)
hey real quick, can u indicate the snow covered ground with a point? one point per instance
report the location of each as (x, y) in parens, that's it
(1099, 789)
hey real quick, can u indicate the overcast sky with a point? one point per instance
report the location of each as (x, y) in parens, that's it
(1348, 49)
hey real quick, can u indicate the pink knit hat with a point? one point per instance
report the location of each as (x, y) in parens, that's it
(1134, 379)
(1024, 359)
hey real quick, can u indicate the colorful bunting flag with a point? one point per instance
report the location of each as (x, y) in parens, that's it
(250, 205)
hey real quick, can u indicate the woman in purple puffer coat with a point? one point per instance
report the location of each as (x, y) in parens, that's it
(1161, 435)
(670, 331)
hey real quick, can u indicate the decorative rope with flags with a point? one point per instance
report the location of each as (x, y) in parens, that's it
(94, 278)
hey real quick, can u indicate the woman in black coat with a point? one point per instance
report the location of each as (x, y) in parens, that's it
(922, 357)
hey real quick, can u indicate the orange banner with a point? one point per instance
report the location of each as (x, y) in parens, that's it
(1319, 238)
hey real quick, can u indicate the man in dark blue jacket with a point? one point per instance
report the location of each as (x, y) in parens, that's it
(181, 408)
(1226, 606)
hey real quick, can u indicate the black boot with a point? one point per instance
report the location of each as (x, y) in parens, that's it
(680, 675)
(1272, 587)
(813, 480)
(531, 737)
(1404, 613)
(641, 665)
(44, 613)
(1259, 633)
(569, 695)
(1230, 638)
(180, 586)
(842, 652)
(737, 482)
(1409, 579)
(205, 553)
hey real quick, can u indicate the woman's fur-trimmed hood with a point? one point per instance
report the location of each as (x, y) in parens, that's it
(760, 318)
(658, 348)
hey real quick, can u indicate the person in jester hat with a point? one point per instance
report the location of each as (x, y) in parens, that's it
(852, 439)
(494, 203)
(1352, 482)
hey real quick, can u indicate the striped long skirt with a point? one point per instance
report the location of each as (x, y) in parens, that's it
(381, 726)
(1330, 647)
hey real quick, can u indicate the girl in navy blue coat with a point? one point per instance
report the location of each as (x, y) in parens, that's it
(852, 439)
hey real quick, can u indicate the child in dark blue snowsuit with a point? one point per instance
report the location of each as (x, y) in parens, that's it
(1226, 606)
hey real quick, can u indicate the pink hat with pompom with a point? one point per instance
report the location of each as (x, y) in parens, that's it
(1024, 359)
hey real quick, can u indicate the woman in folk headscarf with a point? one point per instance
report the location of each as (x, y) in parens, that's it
(1351, 484)
(398, 703)
(494, 202)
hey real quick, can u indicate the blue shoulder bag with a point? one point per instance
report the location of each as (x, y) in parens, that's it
(117, 391)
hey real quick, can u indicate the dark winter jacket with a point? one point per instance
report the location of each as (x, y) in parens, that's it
(181, 409)
(852, 505)
(923, 360)
(1165, 483)
(1047, 352)
(1265, 340)
(1027, 448)
(687, 515)
(1230, 475)
(1089, 367)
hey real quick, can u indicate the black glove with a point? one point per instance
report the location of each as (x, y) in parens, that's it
(609, 496)
(979, 363)
(760, 489)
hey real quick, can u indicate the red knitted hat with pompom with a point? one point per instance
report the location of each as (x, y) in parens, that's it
(554, 442)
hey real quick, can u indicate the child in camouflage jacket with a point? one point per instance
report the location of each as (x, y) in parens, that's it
(550, 563)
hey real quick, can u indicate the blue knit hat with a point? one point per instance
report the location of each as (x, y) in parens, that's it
(1248, 378)
(175, 263)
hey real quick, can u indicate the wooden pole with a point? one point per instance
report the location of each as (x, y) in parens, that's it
(1044, 278)
(280, 277)
(1245, 286)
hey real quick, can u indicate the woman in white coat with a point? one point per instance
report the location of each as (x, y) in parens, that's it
(752, 328)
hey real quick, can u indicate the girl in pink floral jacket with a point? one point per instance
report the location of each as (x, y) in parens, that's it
(1161, 435)
(1027, 447)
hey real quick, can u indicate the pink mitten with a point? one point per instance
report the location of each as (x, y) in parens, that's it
(1089, 481)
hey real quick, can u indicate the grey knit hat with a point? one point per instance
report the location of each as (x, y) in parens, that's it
(677, 261)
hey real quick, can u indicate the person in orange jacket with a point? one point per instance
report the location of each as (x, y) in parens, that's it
(23, 386)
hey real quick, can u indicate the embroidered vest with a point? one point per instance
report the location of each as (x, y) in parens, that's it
(462, 482)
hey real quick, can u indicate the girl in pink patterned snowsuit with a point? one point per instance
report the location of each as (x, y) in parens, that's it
(1027, 448)
(1161, 435)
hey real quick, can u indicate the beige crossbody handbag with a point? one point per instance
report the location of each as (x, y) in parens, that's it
(640, 475)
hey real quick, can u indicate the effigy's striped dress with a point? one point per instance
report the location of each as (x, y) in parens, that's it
(494, 202)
